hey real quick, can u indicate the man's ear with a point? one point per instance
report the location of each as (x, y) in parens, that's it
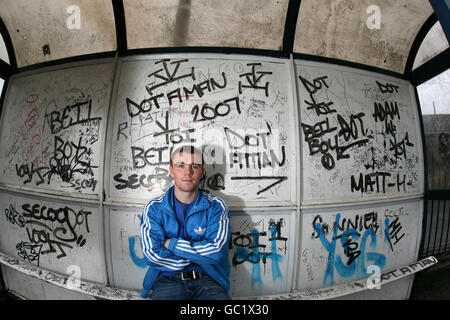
(171, 171)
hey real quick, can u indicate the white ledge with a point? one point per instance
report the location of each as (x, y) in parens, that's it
(106, 292)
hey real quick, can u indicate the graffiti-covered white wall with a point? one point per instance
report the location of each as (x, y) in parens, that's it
(239, 111)
(259, 257)
(321, 167)
(345, 243)
(360, 133)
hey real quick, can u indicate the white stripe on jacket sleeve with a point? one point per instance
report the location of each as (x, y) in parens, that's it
(147, 244)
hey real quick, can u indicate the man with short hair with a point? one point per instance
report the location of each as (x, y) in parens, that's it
(184, 236)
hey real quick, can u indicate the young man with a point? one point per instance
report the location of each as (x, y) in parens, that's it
(185, 235)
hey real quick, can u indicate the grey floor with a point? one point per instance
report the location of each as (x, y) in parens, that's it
(434, 282)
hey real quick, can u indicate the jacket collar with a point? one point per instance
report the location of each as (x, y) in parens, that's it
(201, 202)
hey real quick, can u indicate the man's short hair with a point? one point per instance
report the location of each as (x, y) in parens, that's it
(189, 149)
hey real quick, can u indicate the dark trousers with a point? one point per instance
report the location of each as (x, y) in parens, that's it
(204, 288)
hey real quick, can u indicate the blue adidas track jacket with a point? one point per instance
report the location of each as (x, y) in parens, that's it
(208, 231)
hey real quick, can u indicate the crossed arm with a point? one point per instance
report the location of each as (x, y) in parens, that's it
(177, 253)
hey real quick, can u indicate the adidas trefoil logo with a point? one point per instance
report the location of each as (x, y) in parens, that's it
(200, 231)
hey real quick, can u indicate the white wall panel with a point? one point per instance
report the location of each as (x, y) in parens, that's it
(340, 244)
(260, 251)
(53, 235)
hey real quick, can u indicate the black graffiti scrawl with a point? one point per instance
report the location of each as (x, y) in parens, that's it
(359, 135)
(49, 230)
(234, 109)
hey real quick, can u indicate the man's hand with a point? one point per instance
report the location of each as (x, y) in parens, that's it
(166, 243)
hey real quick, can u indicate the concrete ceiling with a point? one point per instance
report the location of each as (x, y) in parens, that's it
(378, 33)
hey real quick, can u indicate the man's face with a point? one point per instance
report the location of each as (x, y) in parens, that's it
(187, 171)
